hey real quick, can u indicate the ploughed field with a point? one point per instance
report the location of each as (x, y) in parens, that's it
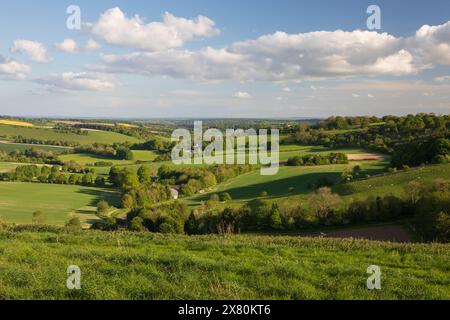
(33, 265)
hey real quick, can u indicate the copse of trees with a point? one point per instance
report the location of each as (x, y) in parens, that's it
(419, 152)
(192, 180)
(117, 151)
(169, 218)
(428, 205)
(21, 139)
(381, 134)
(32, 155)
(318, 159)
(54, 175)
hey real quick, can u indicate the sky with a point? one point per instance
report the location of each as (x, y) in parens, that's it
(232, 59)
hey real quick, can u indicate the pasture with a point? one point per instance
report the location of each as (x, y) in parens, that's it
(288, 182)
(393, 183)
(107, 137)
(18, 201)
(83, 159)
(10, 147)
(142, 266)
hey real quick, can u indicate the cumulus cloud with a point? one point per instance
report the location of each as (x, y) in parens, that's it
(92, 45)
(282, 57)
(13, 70)
(116, 28)
(68, 45)
(35, 50)
(71, 46)
(83, 81)
(242, 95)
(433, 43)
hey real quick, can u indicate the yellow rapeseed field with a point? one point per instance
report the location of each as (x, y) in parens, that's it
(16, 123)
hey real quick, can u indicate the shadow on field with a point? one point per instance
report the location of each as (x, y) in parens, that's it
(112, 197)
(301, 184)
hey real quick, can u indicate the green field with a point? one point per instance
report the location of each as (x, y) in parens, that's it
(106, 137)
(84, 159)
(393, 183)
(251, 185)
(153, 266)
(10, 147)
(19, 200)
(9, 166)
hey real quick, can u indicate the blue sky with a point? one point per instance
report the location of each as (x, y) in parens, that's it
(230, 62)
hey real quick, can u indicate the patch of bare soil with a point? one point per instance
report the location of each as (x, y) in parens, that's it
(364, 156)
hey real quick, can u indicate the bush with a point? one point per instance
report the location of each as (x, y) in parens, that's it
(102, 208)
(38, 217)
(74, 223)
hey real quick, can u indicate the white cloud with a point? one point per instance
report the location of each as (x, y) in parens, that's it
(355, 95)
(287, 89)
(442, 79)
(242, 95)
(78, 81)
(116, 28)
(68, 45)
(280, 57)
(433, 43)
(92, 45)
(35, 50)
(370, 96)
(13, 69)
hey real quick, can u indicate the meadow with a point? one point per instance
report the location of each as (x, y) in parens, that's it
(393, 183)
(106, 137)
(10, 166)
(18, 201)
(141, 266)
(290, 181)
(10, 147)
(83, 159)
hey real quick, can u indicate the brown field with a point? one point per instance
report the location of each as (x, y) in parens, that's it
(364, 156)
(391, 233)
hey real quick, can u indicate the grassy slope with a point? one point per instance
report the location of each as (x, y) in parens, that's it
(84, 159)
(9, 166)
(149, 266)
(19, 200)
(393, 183)
(49, 134)
(10, 147)
(250, 185)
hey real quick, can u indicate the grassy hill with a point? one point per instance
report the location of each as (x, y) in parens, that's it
(152, 266)
(84, 159)
(19, 200)
(49, 134)
(10, 147)
(393, 183)
(301, 179)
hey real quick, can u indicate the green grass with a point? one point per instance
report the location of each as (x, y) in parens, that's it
(9, 166)
(150, 266)
(251, 185)
(393, 183)
(10, 147)
(19, 200)
(84, 159)
(50, 134)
